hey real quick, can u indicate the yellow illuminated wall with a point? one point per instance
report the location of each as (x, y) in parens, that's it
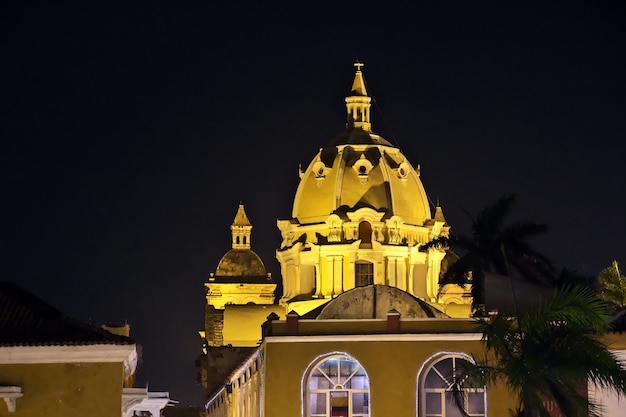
(65, 389)
(392, 367)
(242, 324)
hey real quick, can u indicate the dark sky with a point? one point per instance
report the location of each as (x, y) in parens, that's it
(130, 134)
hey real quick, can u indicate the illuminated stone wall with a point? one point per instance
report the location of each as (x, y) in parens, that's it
(65, 389)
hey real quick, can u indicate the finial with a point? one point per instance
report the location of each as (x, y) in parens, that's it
(358, 65)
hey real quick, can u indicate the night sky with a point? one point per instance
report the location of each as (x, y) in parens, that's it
(130, 135)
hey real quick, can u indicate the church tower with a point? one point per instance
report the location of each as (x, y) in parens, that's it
(239, 297)
(360, 217)
(239, 280)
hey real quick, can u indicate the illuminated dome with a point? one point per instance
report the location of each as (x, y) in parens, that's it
(361, 217)
(360, 169)
(240, 263)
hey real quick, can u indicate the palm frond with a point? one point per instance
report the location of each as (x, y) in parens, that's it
(550, 353)
(471, 375)
(460, 271)
(490, 219)
(523, 229)
(574, 307)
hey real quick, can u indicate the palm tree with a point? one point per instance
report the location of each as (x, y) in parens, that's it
(494, 247)
(613, 287)
(548, 355)
(569, 277)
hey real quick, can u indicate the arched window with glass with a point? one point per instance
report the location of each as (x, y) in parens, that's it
(336, 385)
(436, 385)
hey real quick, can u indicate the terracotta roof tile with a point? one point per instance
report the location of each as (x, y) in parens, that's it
(26, 320)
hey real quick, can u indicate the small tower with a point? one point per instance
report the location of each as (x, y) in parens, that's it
(241, 230)
(239, 297)
(358, 102)
(240, 280)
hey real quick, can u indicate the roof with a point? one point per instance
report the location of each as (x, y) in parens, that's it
(241, 219)
(26, 320)
(358, 85)
(241, 265)
(359, 169)
(375, 301)
(360, 173)
(357, 136)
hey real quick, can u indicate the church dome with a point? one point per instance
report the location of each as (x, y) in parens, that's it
(375, 301)
(360, 169)
(240, 264)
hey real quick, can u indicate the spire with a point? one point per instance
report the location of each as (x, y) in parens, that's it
(241, 229)
(439, 214)
(358, 102)
(358, 86)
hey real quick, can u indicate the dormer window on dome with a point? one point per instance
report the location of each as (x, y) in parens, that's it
(319, 170)
(362, 167)
(403, 170)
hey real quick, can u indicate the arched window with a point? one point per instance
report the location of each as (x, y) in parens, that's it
(336, 386)
(365, 233)
(436, 393)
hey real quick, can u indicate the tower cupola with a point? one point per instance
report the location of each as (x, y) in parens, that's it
(358, 103)
(241, 230)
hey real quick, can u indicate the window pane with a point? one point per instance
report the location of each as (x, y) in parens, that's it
(319, 382)
(433, 380)
(445, 368)
(358, 382)
(317, 403)
(433, 404)
(346, 367)
(339, 403)
(476, 403)
(452, 410)
(360, 403)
